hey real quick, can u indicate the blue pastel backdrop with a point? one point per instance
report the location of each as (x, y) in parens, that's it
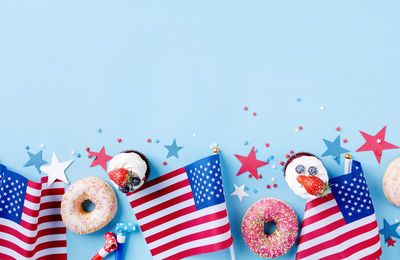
(168, 69)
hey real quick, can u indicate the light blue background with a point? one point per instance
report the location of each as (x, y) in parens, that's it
(167, 69)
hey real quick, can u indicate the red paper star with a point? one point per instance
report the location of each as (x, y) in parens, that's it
(376, 144)
(390, 242)
(100, 158)
(250, 163)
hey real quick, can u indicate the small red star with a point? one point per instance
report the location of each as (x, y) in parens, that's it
(100, 158)
(250, 163)
(376, 143)
(390, 242)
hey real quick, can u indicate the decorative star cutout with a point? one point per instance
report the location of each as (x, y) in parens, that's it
(239, 192)
(100, 158)
(173, 149)
(334, 149)
(390, 242)
(35, 160)
(389, 231)
(250, 163)
(376, 143)
(56, 170)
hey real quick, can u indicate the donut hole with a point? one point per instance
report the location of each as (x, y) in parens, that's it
(269, 227)
(88, 206)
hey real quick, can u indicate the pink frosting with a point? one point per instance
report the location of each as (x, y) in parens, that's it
(282, 239)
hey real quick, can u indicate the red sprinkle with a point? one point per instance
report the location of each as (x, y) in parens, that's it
(254, 114)
(338, 128)
(119, 140)
(291, 152)
(87, 149)
(148, 140)
(164, 163)
(282, 163)
(89, 156)
(300, 128)
(267, 145)
(250, 176)
(246, 108)
(268, 186)
(260, 176)
(287, 156)
(345, 140)
(275, 185)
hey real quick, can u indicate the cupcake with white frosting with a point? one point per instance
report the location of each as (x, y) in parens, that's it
(128, 170)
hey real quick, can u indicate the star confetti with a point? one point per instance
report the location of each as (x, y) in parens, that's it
(239, 192)
(334, 149)
(35, 160)
(56, 170)
(390, 242)
(100, 158)
(173, 149)
(250, 164)
(376, 143)
(389, 231)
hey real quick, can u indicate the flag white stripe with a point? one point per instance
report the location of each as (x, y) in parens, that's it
(344, 245)
(318, 209)
(38, 192)
(337, 232)
(366, 252)
(321, 223)
(30, 247)
(162, 199)
(161, 185)
(44, 252)
(188, 217)
(164, 212)
(27, 232)
(43, 212)
(45, 199)
(189, 231)
(193, 244)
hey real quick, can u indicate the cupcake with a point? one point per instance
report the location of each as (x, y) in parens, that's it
(306, 175)
(128, 170)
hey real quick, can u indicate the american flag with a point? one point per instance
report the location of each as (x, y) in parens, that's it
(30, 222)
(341, 225)
(183, 213)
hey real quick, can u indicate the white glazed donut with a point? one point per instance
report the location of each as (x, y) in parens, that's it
(391, 182)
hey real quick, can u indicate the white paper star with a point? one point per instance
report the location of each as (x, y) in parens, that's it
(56, 170)
(239, 192)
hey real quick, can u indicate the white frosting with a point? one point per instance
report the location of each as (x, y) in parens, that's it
(291, 174)
(130, 161)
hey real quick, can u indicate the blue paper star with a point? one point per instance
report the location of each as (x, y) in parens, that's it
(35, 160)
(173, 149)
(389, 231)
(334, 149)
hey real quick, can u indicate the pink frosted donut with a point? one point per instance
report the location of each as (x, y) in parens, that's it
(282, 239)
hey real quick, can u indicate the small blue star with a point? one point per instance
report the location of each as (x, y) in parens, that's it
(389, 231)
(334, 149)
(35, 160)
(173, 149)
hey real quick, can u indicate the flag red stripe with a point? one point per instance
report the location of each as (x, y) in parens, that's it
(6, 257)
(318, 201)
(164, 205)
(32, 240)
(171, 216)
(39, 247)
(202, 249)
(323, 214)
(373, 256)
(55, 191)
(187, 224)
(176, 186)
(46, 205)
(41, 220)
(337, 240)
(52, 257)
(323, 230)
(158, 180)
(32, 199)
(195, 236)
(354, 249)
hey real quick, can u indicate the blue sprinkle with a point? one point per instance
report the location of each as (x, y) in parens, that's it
(298, 99)
(256, 150)
(246, 143)
(157, 141)
(78, 155)
(246, 188)
(268, 160)
(271, 157)
(27, 147)
(99, 131)
(255, 191)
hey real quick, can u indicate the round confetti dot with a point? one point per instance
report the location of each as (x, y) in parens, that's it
(298, 99)
(254, 114)
(300, 128)
(245, 108)
(87, 149)
(26, 147)
(250, 176)
(246, 143)
(268, 186)
(345, 140)
(267, 145)
(291, 152)
(78, 155)
(275, 185)
(42, 146)
(282, 163)
(287, 156)
(119, 140)
(148, 140)
(322, 108)
(99, 130)
(164, 163)
(338, 129)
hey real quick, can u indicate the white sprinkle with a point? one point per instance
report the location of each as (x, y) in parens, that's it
(296, 130)
(273, 179)
(194, 134)
(273, 166)
(215, 144)
(72, 152)
(322, 108)
(42, 146)
(211, 146)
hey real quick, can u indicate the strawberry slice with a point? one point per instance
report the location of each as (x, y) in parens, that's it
(119, 176)
(313, 185)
